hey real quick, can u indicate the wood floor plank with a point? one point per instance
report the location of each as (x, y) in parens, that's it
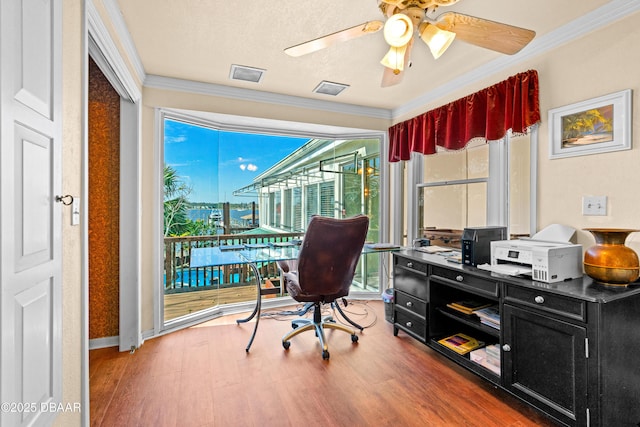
(202, 376)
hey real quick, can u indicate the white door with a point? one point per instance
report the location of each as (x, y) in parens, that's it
(30, 225)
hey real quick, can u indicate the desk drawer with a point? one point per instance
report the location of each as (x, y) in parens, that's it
(415, 266)
(467, 281)
(410, 277)
(552, 303)
(411, 323)
(411, 304)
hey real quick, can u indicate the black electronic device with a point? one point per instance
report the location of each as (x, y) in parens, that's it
(476, 243)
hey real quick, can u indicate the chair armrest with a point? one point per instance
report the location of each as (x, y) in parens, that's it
(284, 266)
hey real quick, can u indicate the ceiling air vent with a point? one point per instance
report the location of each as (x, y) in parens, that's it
(247, 74)
(330, 88)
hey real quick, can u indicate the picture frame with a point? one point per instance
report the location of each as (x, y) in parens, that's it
(598, 125)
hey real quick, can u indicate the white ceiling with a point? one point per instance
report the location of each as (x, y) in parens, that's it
(199, 40)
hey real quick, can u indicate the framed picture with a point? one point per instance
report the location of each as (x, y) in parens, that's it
(598, 125)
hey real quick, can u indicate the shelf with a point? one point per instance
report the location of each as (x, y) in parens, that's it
(469, 321)
(465, 361)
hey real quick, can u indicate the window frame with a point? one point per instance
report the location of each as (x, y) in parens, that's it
(498, 206)
(244, 124)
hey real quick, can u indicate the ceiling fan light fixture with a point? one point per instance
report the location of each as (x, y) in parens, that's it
(437, 39)
(398, 30)
(394, 58)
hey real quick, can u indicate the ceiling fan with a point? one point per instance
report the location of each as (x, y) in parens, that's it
(406, 18)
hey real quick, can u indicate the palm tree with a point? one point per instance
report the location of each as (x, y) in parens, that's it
(575, 125)
(175, 203)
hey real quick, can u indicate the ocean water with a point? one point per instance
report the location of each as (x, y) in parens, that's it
(203, 214)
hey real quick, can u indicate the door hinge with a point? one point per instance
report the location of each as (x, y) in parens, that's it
(586, 348)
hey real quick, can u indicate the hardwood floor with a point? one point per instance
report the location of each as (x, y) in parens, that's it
(202, 376)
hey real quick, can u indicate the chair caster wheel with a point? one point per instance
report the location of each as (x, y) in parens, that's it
(354, 338)
(325, 355)
(286, 344)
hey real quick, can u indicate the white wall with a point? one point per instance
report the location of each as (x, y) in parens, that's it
(604, 62)
(72, 61)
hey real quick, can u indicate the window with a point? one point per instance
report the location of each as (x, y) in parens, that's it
(286, 209)
(327, 199)
(296, 201)
(454, 192)
(484, 184)
(311, 198)
(222, 190)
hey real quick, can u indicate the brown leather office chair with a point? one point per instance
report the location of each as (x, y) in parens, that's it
(325, 268)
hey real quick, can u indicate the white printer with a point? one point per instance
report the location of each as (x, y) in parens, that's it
(547, 261)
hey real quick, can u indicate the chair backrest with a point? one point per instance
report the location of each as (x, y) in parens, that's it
(329, 254)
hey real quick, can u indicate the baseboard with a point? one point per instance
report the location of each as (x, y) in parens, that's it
(97, 343)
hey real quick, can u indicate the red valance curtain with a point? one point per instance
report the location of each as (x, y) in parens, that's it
(490, 113)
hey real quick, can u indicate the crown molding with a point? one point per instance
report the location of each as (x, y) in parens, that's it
(211, 89)
(588, 23)
(106, 55)
(120, 27)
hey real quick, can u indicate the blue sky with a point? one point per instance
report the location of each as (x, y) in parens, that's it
(215, 163)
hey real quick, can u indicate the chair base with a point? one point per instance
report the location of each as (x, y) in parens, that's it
(327, 322)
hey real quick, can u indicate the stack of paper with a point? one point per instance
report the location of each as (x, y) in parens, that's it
(489, 357)
(433, 249)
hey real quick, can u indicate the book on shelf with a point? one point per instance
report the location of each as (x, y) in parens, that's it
(459, 310)
(489, 316)
(468, 306)
(461, 343)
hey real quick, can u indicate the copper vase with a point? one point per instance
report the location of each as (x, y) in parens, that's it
(611, 262)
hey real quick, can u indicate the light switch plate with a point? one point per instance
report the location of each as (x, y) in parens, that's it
(594, 205)
(75, 211)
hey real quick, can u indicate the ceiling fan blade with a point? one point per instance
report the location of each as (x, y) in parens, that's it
(389, 77)
(491, 35)
(339, 36)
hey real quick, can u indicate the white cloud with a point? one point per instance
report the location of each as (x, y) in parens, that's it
(174, 139)
(248, 167)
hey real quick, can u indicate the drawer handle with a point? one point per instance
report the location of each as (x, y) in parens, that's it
(459, 278)
(409, 304)
(539, 299)
(410, 264)
(506, 347)
(409, 325)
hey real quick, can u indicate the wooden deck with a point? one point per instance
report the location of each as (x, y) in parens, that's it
(183, 303)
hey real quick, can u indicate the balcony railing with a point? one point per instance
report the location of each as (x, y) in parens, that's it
(180, 277)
